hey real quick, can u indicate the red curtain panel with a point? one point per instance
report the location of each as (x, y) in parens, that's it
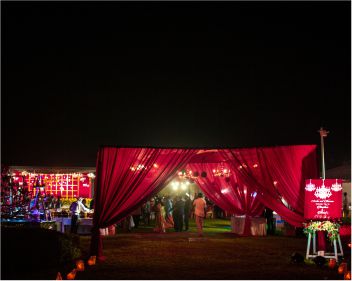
(128, 176)
(277, 174)
(272, 177)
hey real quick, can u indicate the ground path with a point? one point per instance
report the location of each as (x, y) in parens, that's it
(221, 255)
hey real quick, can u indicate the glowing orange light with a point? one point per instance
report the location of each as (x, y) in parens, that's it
(80, 265)
(342, 268)
(347, 275)
(155, 166)
(71, 275)
(92, 260)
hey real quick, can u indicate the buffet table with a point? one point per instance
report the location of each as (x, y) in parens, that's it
(24, 223)
(258, 225)
(63, 224)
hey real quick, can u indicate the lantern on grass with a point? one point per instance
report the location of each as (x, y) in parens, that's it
(347, 275)
(342, 268)
(92, 260)
(71, 275)
(80, 265)
(58, 276)
(332, 263)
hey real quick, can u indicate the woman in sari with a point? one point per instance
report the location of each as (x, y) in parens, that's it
(169, 221)
(159, 217)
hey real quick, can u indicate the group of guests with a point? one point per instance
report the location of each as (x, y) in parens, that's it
(176, 213)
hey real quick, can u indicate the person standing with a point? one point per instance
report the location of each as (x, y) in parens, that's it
(346, 210)
(146, 212)
(91, 204)
(179, 213)
(199, 205)
(169, 221)
(58, 203)
(136, 214)
(268, 214)
(187, 210)
(159, 217)
(76, 208)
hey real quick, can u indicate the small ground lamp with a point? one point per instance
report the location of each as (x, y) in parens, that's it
(347, 275)
(80, 265)
(91, 260)
(72, 275)
(342, 268)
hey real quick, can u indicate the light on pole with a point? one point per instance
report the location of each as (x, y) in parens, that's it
(323, 133)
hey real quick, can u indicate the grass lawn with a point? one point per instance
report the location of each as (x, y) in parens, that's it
(143, 254)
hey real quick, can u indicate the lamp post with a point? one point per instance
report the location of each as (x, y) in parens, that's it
(323, 133)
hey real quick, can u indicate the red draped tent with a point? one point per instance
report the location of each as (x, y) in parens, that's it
(269, 176)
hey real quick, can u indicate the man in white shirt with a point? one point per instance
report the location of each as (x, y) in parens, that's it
(199, 205)
(76, 208)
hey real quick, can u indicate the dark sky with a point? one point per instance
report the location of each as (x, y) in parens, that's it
(201, 74)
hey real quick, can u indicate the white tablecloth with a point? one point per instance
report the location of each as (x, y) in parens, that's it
(258, 225)
(84, 225)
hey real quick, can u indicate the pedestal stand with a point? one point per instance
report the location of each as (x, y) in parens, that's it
(334, 255)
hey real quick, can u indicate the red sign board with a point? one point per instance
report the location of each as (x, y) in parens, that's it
(323, 199)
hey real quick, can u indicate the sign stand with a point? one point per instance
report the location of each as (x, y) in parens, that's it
(334, 255)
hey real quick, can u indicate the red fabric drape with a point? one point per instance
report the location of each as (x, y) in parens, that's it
(127, 176)
(277, 174)
(321, 239)
(229, 193)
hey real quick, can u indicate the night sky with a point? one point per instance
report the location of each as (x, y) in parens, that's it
(200, 74)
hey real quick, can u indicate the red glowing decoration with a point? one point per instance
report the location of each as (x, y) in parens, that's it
(332, 263)
(323, 199)
(63, 185)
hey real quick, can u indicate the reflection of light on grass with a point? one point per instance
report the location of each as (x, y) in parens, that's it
(213, 226)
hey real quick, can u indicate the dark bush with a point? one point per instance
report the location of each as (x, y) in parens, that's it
(33, 249)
